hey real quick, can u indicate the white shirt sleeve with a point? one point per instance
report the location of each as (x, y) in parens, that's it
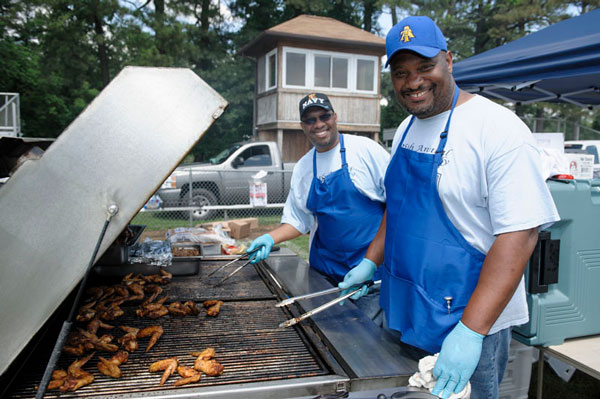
(295, 212)
(518, 195)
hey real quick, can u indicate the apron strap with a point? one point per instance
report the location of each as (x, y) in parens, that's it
(444, 134)
(343, 151)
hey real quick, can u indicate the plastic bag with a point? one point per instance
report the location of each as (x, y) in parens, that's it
(151, 252)
(198, 234)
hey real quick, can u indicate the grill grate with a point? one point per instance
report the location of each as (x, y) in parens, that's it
(244, 335)
(245, 285)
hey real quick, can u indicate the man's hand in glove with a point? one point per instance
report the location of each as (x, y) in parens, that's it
(266, 242)
(457, 361)
(361, 273)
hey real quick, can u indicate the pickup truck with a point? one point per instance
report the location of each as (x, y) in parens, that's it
(226, 178)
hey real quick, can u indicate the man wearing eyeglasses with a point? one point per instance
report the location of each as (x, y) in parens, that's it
(337, 193)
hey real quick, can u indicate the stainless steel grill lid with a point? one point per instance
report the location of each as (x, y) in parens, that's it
(118, 151)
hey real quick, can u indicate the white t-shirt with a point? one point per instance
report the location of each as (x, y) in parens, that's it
(367, 163)
(490, 181)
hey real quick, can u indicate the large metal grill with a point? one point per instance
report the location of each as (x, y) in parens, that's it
(244, 335)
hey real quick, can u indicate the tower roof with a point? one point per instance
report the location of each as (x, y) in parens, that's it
(316, 30)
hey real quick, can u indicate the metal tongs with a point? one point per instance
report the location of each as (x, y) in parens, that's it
(233, 261)
(326, 305)
(247, 254)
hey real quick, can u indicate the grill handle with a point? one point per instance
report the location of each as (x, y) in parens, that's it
(64, 331)
(66, 327)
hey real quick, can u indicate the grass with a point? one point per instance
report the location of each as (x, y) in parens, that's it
(299, 246)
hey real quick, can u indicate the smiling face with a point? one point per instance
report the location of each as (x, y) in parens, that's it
(322, 134)
(423, 86)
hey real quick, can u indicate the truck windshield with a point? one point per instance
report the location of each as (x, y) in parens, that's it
(223, 155)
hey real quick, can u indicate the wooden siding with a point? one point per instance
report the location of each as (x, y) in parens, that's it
(355, 109)
(266, 109)
(295, 145)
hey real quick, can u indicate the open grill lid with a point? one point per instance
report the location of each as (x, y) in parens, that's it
(118, 151)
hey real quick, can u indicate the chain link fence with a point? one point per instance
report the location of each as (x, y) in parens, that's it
(192, 197)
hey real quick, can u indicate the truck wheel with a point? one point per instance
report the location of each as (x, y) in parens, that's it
(203, 197)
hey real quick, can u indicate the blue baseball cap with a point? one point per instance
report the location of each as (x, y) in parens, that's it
(418, 34)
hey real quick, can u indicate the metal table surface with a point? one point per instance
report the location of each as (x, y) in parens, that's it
(373, 356)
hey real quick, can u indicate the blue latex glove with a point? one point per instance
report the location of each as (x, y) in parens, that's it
(266, 242)
(361, 273)
(457, 361)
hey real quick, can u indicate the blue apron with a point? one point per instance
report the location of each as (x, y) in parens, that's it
(430, 270)
(347, 221)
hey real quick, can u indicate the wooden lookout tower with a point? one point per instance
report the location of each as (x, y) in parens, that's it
(314, 54)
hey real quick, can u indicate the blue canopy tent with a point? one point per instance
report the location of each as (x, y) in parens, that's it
(560, 63)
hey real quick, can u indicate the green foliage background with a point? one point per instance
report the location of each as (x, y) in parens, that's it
(58, 55)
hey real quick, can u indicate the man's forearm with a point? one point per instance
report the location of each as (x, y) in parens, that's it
(375, 251)
(501, 273)
(284, 232)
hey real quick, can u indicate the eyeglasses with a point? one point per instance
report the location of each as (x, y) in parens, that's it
(322, 118)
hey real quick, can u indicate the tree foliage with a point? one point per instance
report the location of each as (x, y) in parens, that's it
(60, 54)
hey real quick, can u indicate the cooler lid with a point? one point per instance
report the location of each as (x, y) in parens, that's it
(118, 151)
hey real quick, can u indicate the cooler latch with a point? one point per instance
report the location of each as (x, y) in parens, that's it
(543, 265)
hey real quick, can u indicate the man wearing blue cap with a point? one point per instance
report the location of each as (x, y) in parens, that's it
(465, 200)
(337, 193)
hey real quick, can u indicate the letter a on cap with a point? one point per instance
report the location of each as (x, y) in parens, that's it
(406, 34)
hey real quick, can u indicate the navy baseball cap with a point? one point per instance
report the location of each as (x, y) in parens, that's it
(314, 100)
(418, 34)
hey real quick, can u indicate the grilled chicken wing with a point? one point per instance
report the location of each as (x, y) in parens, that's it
(111, 310)
(193, 309)
(95, 324)
(121, 290)
(176, 309)
(129, 340)
(154, 332)
(206, 363)
(110, 367)
(94, 293)
(206, 354)
(75, 350)
(58, 379)
(108, 292)
(100, 343)
(137, 290)
(163, 278)
(155, 314)
(153, 310)
(154, 291)
(189, 375)
(210, 302)
(213, 308)
(76, 377)
(86, 312)
(209, 367)
(168, 365)
(74, 382)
